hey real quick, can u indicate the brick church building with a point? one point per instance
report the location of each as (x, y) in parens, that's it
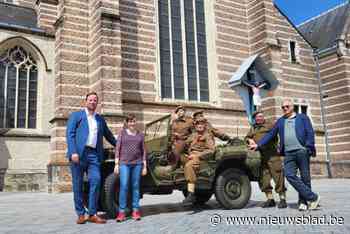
(146, 57)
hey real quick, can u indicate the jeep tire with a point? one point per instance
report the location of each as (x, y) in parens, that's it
(110, 196)
(232, 189)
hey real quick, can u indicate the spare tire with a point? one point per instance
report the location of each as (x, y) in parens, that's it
(110, 196)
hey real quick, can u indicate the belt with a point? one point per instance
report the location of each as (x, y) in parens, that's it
(89, 147)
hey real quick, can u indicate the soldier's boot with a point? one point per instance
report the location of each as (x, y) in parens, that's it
(282, 204)
(189, 200)
(269, 203)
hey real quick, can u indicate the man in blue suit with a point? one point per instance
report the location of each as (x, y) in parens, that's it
(297, 144)
(85, 132)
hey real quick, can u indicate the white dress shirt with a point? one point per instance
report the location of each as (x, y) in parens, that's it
(92, 138)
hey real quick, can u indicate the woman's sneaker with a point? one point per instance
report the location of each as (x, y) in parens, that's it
(136, 215)
(121, 217)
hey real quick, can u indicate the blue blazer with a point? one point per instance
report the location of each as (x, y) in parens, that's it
(77, 133)
(304, 132)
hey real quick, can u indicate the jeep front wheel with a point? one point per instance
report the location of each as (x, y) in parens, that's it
(232, 189)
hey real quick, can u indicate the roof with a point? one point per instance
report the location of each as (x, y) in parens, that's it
(15, 15)
(323, 30)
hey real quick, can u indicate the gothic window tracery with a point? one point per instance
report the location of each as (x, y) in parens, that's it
(18, 89)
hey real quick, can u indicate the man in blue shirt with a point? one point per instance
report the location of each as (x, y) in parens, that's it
(297, 144)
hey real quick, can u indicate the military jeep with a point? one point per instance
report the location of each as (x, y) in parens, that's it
(227, 173)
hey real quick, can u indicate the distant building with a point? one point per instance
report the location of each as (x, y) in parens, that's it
(146, 57)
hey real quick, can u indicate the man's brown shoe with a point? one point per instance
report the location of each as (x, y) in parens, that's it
(96, 219)
(81, 219)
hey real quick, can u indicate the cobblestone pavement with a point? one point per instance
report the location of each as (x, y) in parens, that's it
(53, 213)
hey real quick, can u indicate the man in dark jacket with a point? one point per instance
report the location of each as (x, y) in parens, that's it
(297, 144)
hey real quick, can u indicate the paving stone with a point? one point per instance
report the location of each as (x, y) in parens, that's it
(54, 213)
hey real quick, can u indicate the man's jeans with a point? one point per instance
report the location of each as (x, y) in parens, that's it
(127, 172)
(88, 163)
(299, 159)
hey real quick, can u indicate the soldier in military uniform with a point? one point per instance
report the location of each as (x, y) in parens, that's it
(271, 162)
(200, 145)
(214, 131)
(181, 129)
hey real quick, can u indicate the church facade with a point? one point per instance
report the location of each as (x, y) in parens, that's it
(146, 57)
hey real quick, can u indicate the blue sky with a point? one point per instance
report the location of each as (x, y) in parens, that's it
(300, 10)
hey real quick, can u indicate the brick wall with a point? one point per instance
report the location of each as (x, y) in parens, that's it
(299, 81)
(47, 14)
(111, 47)
(72, 81)
(269, 33)
(336, 79)
(26, 3)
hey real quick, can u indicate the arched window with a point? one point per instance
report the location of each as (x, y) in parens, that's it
(18, 89)
(183, 50)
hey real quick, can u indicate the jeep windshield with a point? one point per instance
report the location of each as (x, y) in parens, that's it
(157, 134)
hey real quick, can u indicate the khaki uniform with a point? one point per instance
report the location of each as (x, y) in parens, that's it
(271, 161)
(199, 148)
(181, 129)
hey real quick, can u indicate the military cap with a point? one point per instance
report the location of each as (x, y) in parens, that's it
(179, 108)
(197, 113)
(201, 120)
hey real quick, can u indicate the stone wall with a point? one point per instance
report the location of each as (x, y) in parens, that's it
(26, 182)
(26, 151)
(26, 165)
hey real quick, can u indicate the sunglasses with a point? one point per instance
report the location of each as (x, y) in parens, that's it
(285, 107)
